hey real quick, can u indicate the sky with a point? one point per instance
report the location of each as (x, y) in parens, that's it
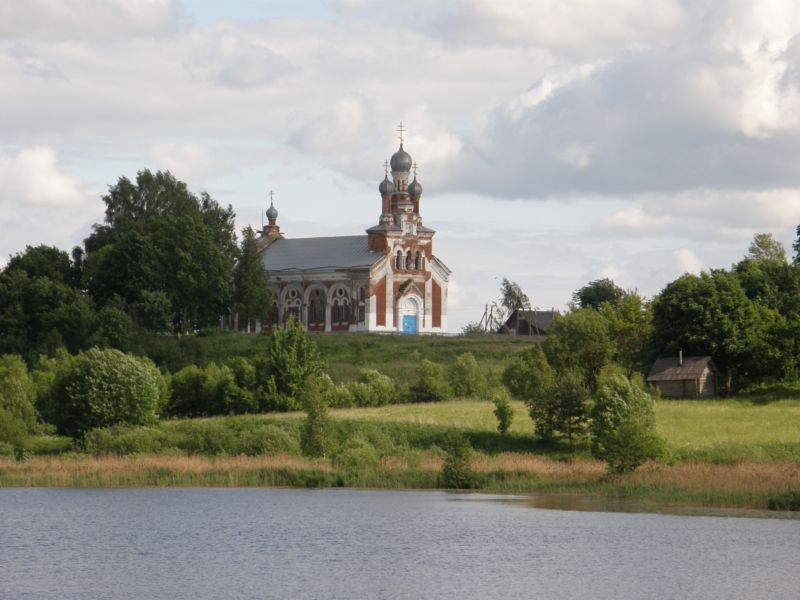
(558, 142)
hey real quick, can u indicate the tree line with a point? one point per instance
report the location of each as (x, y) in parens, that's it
(746, 317)
(163, 260)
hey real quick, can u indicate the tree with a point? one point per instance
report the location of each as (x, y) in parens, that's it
(630, 326)
(431, 384)
(44, 261)
(315, 433)
(511, 298)
(596, 292)
(292, 359)
(623, 426)
(457, 473)
(765, 248)
(17, 397)
(159, 237)
(528, 375)
(706, 314)
(113, 329)
(100, 388)
(466, 378)
(579, 341)
(796, 247)
(503, 410)
(563, 410)
(252, 299)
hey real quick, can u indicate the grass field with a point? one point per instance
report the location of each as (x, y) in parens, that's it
(729, 453)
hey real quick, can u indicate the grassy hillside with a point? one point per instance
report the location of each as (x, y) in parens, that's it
(393, 355)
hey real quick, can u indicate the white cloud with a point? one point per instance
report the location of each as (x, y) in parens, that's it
(81, 19)
(687, 261)
(33, 177)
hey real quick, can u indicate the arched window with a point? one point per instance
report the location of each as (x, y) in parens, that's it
(408, 260)
(399, 262)
(417, 262)
(335, 312)
(346, 313)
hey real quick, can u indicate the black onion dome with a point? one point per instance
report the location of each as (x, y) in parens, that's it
(401, 161)
(386, 186)
(415, 188)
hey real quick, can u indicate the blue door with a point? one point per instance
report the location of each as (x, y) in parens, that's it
(409, 324)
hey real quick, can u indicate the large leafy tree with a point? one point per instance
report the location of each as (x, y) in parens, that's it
(706, 314)
(596, 292)
(158, 237)
(630, 326)
(580, 342)
(251, 296)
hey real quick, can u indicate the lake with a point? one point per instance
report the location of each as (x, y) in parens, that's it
(267, 543)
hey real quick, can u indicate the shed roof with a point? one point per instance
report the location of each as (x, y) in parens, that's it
(319, 254)
(668, 369)
(539, 319)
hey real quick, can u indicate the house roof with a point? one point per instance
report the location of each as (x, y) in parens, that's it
(539, 319)
(668, 369)
(319, 254)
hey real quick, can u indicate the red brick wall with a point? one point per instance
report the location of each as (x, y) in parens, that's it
(436, 309)
(379, 291)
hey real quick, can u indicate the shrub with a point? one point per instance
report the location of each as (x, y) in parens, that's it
(431, 384)
(315, 433)
(17, 397)
(466, 378)
(357, 455)
(100, 388)
(623, 426)
(208, 391)
(502, 410)
(44, 380)
(785, 501)
(123, 439)
(373, 389)
(292, 359)
(268, 439)
(528, 375)
(456, 470)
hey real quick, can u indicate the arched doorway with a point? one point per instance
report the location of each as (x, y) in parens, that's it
(410, 310)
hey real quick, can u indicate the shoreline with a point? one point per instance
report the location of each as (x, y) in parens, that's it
(655, 487)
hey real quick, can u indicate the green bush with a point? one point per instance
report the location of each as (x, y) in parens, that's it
(373, 389)
(207, 391)
(17, 397)
(623, 426)
(123, 439)
(315, 433)
(100, 388)
(357, 455)
(291, 360)
(456, 471)
(466, 378)
(431, 384)
(502, 409)
(785, 501)
(268, 440)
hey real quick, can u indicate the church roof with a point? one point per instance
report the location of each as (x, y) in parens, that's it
(319, 254)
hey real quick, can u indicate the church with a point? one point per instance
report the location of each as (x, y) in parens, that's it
(385, 280)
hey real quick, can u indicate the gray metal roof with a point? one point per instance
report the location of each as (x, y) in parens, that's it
(319, 254)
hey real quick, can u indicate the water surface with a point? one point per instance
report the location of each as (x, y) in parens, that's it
(267, 543)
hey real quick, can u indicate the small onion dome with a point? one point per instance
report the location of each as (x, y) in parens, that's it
(414, 188)
(401, 161)
(272, 212)
(386, 186)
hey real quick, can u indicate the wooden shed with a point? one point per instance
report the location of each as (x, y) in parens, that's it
(684, 377)
(529, 322)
